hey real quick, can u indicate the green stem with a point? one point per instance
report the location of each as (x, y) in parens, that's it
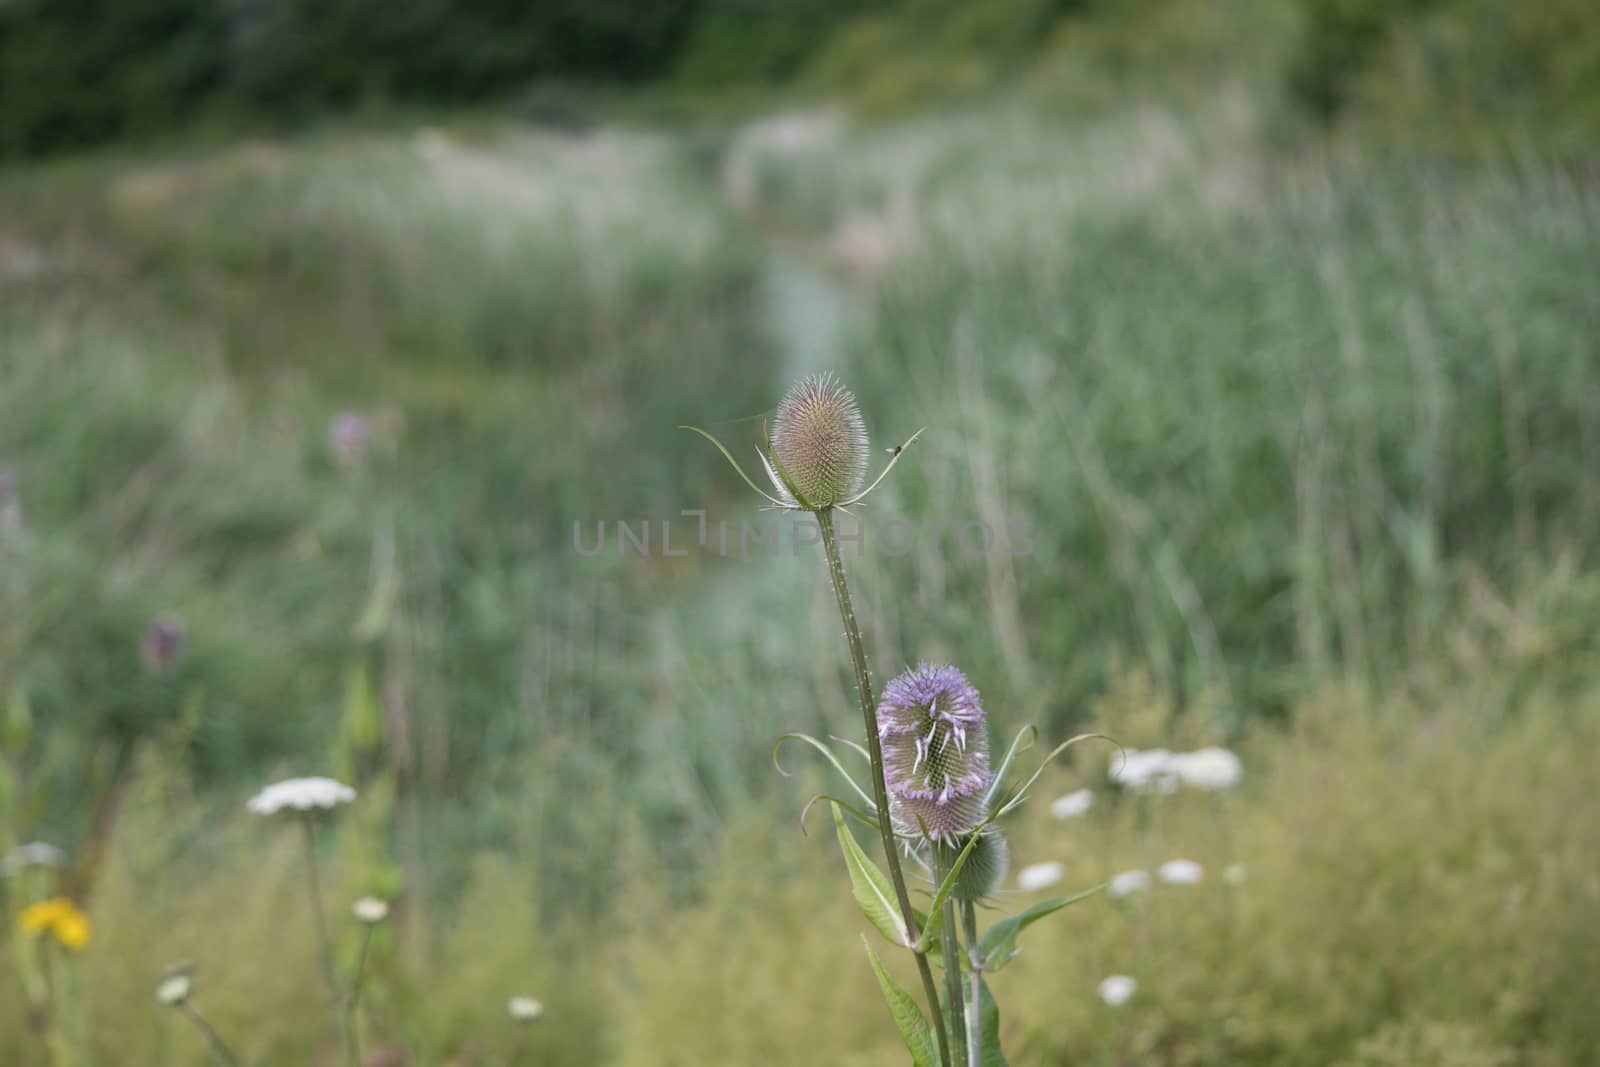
(214, 1043)
(969, 920)
(951, 949)
(858, 657)
(347, 1041)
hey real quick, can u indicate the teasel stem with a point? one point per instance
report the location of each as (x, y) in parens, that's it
(951, 948)
(214, 1043)
(969, 922)
(347, 1039)
(880, 791)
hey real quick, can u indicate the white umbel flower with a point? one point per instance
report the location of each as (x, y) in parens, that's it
(370, 911)
(1145, 770)
(1127, 882)
(524, 1009)
(1181, 872)
(301, 794)
(1118, 990)
(1037, 876)
(1208, 768)
(174, 990)
(1073, 804)
(33, 854)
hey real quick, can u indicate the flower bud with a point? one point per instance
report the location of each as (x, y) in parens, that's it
(985, 868)
(821, 443)
(935, 752)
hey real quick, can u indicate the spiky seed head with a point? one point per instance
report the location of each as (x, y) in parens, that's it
(821, 442)
(935, 752)
(985, 868)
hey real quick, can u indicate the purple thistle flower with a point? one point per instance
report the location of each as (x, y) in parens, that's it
(935, 752)
(349, 434)
(163, 645)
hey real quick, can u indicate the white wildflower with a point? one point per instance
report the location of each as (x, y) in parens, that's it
(524, 1009)
(370, 911)
(1208, 768)
(1181, 872)
(1145, 770)
(301, 794)
(1127, 882)
(33, 854)
(1118, 990)
(1073, 804)
(1234, 874)
(1037, 876)
(174, 990)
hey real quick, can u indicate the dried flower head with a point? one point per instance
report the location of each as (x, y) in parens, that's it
(985, 868)
(1234, 874)
(524, 1009)
(935, 752)
(820, 442)
(301, 794)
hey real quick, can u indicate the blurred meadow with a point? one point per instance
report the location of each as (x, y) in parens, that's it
(1276, 324)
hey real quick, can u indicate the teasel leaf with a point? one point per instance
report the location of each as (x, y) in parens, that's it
(827, 753)
(872, 889)
(949, 883)
(913, 1025)
(1021, 793)
(999, 943)
(856, 813)
(735, 465)
(1025, 739)
(989, 1012)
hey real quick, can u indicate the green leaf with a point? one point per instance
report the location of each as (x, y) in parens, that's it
(999, 942)
(937, 907)
(1022, 742)
(908, 1017)
(1022, 793)
(871, 887)
(734, 464)
(989, 1012)
(829, 756)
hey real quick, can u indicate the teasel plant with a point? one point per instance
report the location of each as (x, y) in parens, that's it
(932, 795)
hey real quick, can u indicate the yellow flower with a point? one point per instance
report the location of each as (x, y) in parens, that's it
(62, 918)
(37, 918)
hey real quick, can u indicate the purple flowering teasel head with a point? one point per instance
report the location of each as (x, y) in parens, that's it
(935, 743)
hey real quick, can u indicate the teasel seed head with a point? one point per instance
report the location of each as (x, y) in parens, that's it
(985, 868)
(935, 753)
(820, 442)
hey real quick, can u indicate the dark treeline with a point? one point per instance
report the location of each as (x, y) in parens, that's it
(75, 73)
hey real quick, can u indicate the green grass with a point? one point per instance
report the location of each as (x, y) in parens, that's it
(1303, 441)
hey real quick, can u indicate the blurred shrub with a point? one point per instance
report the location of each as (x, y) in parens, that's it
(1454, 75)
(84, 71)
